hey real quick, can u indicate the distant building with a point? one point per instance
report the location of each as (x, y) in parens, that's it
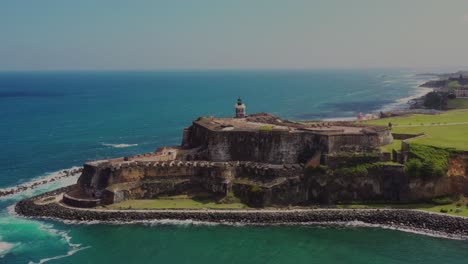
(461, 92)
(240, 109)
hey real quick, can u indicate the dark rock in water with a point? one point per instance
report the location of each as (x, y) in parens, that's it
(24, 187)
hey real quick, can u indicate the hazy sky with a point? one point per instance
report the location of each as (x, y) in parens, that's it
(205, 34)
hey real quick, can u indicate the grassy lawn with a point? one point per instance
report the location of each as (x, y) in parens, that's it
(458, 103)
(175, 202)
(440, 136)
(440, 130)
(454, 116)
(451, 208)
(395, 145)
(265, 128)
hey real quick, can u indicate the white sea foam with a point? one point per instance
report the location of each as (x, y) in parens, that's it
(401, 228)
(402, 103)
(48, 228)
(421, 91)
(340, 119)
(5, 247)
(349, 224)
(119, 145)
(154, 222)
(65, 237)
(45, 182)
(69, 253)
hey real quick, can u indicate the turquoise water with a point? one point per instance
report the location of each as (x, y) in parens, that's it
(54, 121)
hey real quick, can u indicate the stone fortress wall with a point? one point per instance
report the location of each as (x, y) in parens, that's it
(261, 159)
(257, 184)
(278, 146)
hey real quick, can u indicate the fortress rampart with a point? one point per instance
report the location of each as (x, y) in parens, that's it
(263, 160)
(257, 184)
(223, 142)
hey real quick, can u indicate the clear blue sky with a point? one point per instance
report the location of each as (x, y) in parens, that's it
(205, 34)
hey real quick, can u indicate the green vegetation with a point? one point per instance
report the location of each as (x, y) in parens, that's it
(437, 156)
(265, 128)
(396, 144)
(255, 188)
(356, 171)
(230, 198)
(362, 170)
(454, 116)
(459, 207)
(413, 168)
(436, 100)
(445, 130)
(175, 202)
(427, 161)
(350, 159)
(453, 136)
(442, 201)
(458, 103)
(453, 85)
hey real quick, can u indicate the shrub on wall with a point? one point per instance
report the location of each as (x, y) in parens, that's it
(426, 162)
(356, 171)
(349, 159)
(442, 200)
(413, 167)
(255, 188)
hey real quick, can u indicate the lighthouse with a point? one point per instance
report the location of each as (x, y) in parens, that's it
(240, 109)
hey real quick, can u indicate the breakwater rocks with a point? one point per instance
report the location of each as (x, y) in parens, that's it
(456, 227)
(34, 184)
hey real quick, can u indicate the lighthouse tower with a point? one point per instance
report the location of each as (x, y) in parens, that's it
(240, 109)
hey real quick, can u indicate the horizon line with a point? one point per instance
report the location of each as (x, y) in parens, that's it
(246, 69)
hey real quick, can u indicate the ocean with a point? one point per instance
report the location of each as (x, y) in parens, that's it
(51, 121)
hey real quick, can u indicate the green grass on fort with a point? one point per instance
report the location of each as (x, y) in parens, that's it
(445, 130)
(395, 145)
(450, 208)
(175, 202)
(265, 128)
(458, 103)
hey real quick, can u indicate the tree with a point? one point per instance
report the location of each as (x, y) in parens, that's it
(435, 100)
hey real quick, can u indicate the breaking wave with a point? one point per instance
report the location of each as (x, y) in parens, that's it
(119, 145)
(350, 224)
(65, 237)
(5, 247)
(46, 182)
(403, 103)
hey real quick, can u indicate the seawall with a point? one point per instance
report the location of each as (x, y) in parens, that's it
(456, 227)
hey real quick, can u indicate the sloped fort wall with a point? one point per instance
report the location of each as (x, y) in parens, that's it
(277, 146)
(256, 184)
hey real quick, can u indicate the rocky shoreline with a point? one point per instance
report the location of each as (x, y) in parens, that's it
(28, 186)
(431, 223)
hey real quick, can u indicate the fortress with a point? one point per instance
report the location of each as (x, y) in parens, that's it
(261, 159)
